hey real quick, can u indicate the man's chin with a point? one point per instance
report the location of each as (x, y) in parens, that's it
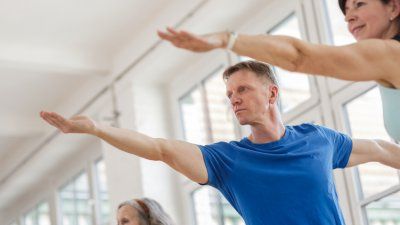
(243, 122)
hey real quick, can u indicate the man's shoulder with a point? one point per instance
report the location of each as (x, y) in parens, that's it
(221, 145)
(304, 127)
(318, 130)
(312, 130)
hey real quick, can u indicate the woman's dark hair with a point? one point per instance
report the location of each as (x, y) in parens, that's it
(342, 5)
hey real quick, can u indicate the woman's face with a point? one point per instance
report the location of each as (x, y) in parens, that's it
(127, 215)
(369, 19)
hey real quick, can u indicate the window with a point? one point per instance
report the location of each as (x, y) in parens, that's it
(385, 211)
(40, 215)
(206, 113)
(295, 88)
(193, 117)
(75, 202)
(207, 117)
(102, 193)
(212, 208)
(377, 182)
(340, 34)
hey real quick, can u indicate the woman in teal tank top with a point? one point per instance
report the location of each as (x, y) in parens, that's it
(375, 24)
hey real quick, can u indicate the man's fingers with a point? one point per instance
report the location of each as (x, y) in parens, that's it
(172, 31)
(55, 120)
(164, 35)
(49, 122)
(58, 118)
(78, 117)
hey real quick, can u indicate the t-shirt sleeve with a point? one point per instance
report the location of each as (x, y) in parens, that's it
(218, 163)
(342, 145)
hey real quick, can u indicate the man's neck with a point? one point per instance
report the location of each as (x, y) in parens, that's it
(267, 132)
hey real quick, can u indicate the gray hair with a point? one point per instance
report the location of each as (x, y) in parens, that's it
(150, 212)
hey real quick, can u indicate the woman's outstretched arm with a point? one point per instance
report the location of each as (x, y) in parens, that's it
(368, 60)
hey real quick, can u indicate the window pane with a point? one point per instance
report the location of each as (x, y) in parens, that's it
(43, 208)
(294, 87)
(81, 184)
(385, 211)
(221, 116)
(40, 215)
(30, 218)
(211, 208)
(74, 201)
(102, 194)
(193, 117)
(340, 34)
(44, 219)
(68, 219)
(44, 214)
(366, 121)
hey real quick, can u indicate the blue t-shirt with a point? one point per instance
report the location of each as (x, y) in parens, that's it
(286, 182)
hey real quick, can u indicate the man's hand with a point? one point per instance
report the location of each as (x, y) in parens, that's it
(77, 124)
(193, 42)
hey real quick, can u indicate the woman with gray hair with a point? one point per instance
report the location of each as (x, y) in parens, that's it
(142, 211)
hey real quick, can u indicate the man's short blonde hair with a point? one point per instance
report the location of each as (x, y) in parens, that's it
(262, 70)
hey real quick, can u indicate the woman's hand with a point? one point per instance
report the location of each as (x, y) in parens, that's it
(193, 42)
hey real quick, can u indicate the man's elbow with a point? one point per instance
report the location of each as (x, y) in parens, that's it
(389, 154)
(163, 152)
(155, 153)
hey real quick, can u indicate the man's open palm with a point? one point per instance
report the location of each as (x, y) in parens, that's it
(77, 124)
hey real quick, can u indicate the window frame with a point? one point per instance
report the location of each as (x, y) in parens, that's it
(348, 94)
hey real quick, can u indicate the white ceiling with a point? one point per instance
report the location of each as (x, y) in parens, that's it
(53, 52)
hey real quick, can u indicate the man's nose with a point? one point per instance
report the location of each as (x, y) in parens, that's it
(235, 100)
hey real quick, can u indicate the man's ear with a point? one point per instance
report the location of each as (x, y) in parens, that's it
(274, 91)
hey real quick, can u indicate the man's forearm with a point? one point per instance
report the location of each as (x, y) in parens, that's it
(130, 141)
(390, 153)
(184, 157)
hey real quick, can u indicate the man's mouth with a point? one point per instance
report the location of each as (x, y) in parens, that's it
(238, 110)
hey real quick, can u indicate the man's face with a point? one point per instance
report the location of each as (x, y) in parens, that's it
(249, 96)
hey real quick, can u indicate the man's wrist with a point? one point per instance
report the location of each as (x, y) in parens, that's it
(96, 129)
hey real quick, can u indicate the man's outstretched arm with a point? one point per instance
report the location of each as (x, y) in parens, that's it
(381, 151)
(184, 157)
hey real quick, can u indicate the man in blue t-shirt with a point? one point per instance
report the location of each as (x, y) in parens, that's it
(279, 175)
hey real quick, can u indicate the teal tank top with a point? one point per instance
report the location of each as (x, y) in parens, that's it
(391, 108)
